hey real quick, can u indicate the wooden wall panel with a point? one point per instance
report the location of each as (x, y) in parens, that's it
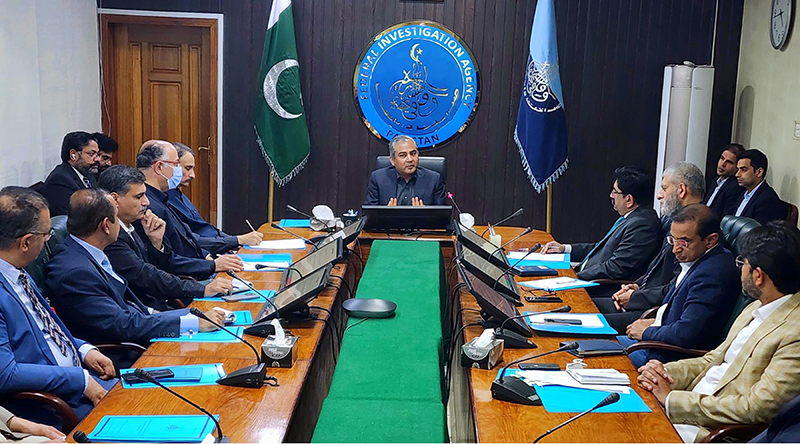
(612, 55)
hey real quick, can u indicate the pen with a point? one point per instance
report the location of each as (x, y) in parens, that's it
(563, 321)
(250, 225)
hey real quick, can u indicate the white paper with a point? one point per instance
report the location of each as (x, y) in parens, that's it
(280, 244)
(554, 284)
(517, 255)
(251, 266)
(238, 285)
(589, 320)
(599, 376)
(543, 378)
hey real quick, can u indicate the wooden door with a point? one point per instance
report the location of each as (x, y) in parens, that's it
(161, 84)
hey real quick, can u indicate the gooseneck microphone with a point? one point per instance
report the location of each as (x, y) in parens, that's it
(233, 274)
(453, 199)
(259, 328)
(510, 268)
(309, 216)
(610, 399)
(79, 436)
(262, 266)
(308, 241)
(513, 339)
(514, 214)
(143, 374)
(501, 247)
(514, 389)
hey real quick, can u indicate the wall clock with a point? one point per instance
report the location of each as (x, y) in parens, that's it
(779, 22)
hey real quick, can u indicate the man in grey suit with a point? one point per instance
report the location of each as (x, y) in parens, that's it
(633, 240)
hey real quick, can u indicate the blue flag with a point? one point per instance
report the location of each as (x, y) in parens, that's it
(541, 132)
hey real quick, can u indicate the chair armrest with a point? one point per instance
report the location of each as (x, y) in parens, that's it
(646, 345)
(612, 281)
(650, 313)
(176, 304)
(735, 433)
(121, 346)
(68, 417)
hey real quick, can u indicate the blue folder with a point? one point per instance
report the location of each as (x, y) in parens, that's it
(295, 223)
(243, 317)
(563, 265)
(209, 373)
(207, 336)
(152, 428)
(572, 329)
(257, 298)
(278, 257)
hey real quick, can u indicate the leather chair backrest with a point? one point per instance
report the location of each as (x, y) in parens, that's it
(791, 213)
(741, 302)
(733, 227)
(432, 163)
(36, 268)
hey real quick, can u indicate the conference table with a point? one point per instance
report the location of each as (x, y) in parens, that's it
(289, 412)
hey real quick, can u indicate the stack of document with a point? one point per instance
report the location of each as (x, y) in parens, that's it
(559, 283)
(547, 378)
(599, 376)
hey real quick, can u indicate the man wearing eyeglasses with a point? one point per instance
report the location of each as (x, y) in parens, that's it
(80, 157)
(699, 301)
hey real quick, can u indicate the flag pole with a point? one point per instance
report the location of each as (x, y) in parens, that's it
(549, 222)
(271, 203)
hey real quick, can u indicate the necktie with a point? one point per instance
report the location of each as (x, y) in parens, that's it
(597, 245)
(86, 182)
(50, 325)
(658, 260)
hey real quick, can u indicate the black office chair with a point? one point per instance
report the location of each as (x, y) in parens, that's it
(733, 227)
(432, 163)
(36, 268)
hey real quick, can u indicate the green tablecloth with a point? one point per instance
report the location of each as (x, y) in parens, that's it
(387, 383)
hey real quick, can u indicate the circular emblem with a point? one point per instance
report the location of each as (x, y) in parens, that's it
(419, 79)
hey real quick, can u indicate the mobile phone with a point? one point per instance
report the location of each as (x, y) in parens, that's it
(539, 366)
(240, 297)
(131, 378)
(543, 299)
(563, 321)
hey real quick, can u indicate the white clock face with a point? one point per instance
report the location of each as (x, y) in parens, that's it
(780, 19)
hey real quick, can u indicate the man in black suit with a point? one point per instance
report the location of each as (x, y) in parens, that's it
(723, 191)
(78, 169)
(759, 201)
(632, 241)
(158, 160)
(681, 185)
(107, 146)
(146, 265)
(785, 427)
(405, 182)
(92, 299)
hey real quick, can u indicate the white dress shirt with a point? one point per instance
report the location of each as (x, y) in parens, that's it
(710, 381)
(746, 198)
(11, 274)
(720, 181)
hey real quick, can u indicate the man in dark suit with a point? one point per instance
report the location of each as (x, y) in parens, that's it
(759, 201)
(107, 146)
(681, 185)
(785, 427)
(723, 191)
(94, 301)
(36, 349)
(700, 299)
(146, 265)
(186, 211)
(405, 182)
(158, 160)
(632, 241)
(78, 170)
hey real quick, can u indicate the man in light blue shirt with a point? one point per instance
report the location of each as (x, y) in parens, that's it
(759, 201)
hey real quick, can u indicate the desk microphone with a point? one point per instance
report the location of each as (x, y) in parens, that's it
(452, 199)
(501, 247)
(510, 268)
(143, 374)
(250, 376)
(308, 241)
(263, 329)
(310, 217)
(79, 436)
(276, 267)
(610, 399)
(515, 340)
(514, 389)
(514, 214)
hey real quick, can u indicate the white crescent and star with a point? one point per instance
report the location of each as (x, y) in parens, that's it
(270, 88)
(415, 52)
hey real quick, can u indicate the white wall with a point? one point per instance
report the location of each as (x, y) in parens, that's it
(768, 98)
(49, 83)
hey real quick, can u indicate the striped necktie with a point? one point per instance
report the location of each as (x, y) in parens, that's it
(597, 245)
(87, 182)
(51, 327)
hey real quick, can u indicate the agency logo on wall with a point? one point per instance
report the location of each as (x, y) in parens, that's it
(417, 78)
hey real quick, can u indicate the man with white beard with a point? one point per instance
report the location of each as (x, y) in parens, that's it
(682, 184)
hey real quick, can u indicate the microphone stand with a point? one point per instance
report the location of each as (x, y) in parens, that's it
(258, 329)
(142, 374)
(511, 267)
(251, 376)
(500, 248)
(308, 241)
(610, 399)
(515, 340)
(514, 389)
(515, 214)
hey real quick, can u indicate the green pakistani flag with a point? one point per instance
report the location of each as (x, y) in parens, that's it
(281, 128)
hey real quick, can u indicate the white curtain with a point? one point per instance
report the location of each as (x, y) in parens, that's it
(49, 83)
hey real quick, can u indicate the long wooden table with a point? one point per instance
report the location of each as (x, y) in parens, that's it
(289, 412)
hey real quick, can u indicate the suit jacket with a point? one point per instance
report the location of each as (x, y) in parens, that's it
(660, 273)
(98, 307)
(764, 206)
(130, 258)
(626, 252)
(761, 379)
(210, 237)
(699, 308)
(785, 426)
(190, 258)
(383, 186)
(26, 362)
(725, 202)
(59, 186)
